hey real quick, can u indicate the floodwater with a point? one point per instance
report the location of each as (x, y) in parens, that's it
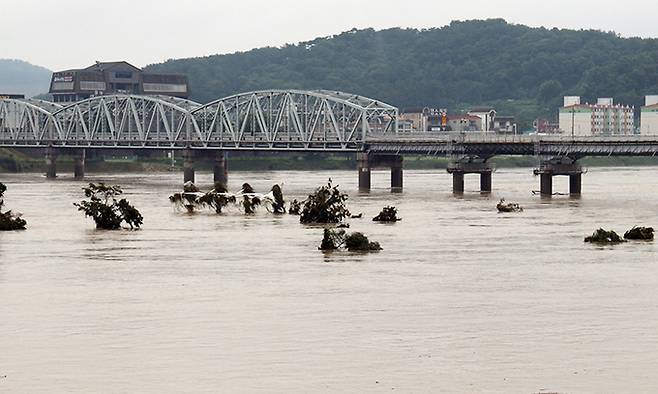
(461, 299)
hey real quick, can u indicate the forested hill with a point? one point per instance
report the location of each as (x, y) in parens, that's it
(521, 69)
(19, 77)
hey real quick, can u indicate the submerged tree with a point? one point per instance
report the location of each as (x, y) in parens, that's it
(249, 200)
(8, 220)
(602, 236)
(332, 239)
(354, 242)
(107, 212)
(388, 214)
(278, 205)
(294, 208)
(359, 242)
(503, 206)
(325, 205)
(217, 198)
(639, 233)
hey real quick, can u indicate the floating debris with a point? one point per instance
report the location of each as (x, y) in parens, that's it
(325, 205)
(639, 233)
(107, 212)
(9, 221)
(502, 206)
(388, 214)
(602, 236)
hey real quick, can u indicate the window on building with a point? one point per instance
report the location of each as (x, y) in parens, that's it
(123, 74)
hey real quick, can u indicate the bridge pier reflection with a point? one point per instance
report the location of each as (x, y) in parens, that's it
(470, 165)
(79, 164)
(51, 163)
(188, 165)
(367, 161)
(559, 166)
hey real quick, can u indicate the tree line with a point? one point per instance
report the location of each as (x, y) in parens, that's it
(523, 70)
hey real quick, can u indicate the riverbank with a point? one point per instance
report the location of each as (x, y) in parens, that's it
(12, 161)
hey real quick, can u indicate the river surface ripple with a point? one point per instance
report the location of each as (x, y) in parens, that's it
(461, 299)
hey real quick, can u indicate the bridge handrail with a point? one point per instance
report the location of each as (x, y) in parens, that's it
(507, 138)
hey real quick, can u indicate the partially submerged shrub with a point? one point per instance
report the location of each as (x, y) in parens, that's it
(354, 242)
(107, 212)
(333, 239)
(216, 199)
(639, 233)
(249, 201)
(325, 205)
(388, 214)
(502, 206)
(602, 236)
(294, 208)
(359, 242)
(278, 205)
(9, 221)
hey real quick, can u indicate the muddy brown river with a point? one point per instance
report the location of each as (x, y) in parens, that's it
(461, 299)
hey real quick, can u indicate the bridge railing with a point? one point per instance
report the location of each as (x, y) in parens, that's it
(476, 137)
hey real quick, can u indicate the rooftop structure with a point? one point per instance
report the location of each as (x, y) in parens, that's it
(105, 78)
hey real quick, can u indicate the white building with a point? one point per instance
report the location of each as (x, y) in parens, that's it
(487, 116)
(649, 116)
(602, 118)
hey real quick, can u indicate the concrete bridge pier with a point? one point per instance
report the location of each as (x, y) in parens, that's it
(559, 167)
(363, 166)
(79, 164)
(397, 178)
(470, 165)
(51, 163)
(188, 166)
(220, 168)
(575, 184)
(366, 162)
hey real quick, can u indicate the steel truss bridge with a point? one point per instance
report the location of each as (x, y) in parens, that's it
(263, 120)
(272, 120)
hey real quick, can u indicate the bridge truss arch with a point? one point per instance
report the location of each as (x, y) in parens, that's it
(27, 121)
(259, 120)
(293, 120)
(125, 121)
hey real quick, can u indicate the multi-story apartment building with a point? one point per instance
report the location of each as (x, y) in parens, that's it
(602, 118)
(649, 116)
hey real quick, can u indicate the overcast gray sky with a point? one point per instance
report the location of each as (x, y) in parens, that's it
(72, 33)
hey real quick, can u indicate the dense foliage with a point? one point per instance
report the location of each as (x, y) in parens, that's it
(523, 71)
(107, 212)
(325, 205)
(354, 242)
(639, 233)
(602, 236)
(8, 220)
